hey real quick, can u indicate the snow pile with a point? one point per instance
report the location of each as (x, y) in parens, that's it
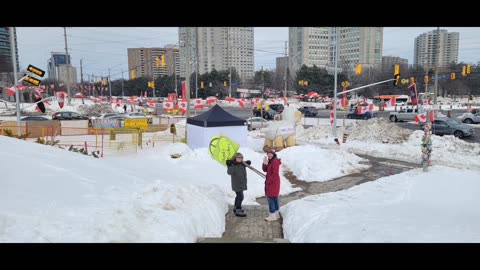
(375, 130)
(378, 130)
(68, 197)
(312, 163)
(256, 140)
(438, 206)
(197, 167)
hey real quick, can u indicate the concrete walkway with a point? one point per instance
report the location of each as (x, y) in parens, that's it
(254, 228)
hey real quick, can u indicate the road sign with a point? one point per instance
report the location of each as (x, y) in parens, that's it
(31, 80)
(36, 71)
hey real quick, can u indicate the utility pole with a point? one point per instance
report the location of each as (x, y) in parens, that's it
(109, 83)
(196, 62)
(286, 68)
(15, 79)
(437, 53)
(68, 66)
(335, 86)
(263, 94)
(93, 85)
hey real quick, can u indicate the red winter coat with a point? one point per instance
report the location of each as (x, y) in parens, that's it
(272, 183)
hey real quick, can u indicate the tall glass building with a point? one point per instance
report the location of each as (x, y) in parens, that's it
(5, 51)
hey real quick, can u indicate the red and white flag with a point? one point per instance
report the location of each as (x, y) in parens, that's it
(341, 103)
(151, 103)
(198, 103)
(61, 99)
(422, 117)
(182, 106)
(332, 115)
(391, 102)
(241, 103)
(11, 90)
(168, 105)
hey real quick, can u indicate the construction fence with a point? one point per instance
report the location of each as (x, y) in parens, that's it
(135, 134)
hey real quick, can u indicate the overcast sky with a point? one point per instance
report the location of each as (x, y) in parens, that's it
(102, 48)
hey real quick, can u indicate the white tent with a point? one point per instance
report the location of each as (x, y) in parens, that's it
(215, 122)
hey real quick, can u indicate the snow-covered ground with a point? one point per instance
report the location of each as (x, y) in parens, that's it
(437, 206)
(380, 138)
(52, 195)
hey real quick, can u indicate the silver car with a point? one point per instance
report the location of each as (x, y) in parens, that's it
(257, 122)
(469, 118)
(447, 126)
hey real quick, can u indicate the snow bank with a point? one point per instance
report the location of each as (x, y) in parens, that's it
(438, 206)
(312, 163)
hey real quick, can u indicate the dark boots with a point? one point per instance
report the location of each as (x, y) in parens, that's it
(239, 212)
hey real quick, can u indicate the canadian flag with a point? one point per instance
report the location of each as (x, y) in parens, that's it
(364, 109)
(182, 106)
(46, 102)
(21, 87)
(230, 99)
(168, 105)
(422, 117)
(242, 103)
(61, 99)
(198, 103)
(118, 102)
(391, 102)
(427, 102)
(151, 103)
(11, 90)
(341, 103)
(332, 115)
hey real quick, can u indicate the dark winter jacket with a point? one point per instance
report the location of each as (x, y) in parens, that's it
(272, 182)
(238, 174)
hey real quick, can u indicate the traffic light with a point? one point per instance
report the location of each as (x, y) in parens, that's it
(132, 74)
(32, 80)
(425, 79)
(96, 79)
(468, 69)
(452, 76)
(151, 84)
(224, 83)
(157, 61)
(300, 83)
(397, 79)
(259, 105)
(397, 70)
(464, 71)
(305, 83)
(202, 85)
(104, 81)
(163, 61)
(267, 107)
(358, 69)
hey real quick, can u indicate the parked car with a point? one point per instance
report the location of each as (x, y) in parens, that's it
(366, 115)
(269, 115)
(448, 126)
(34, 118)
(308, 111)
(469, 118)
(407, 114)
(277, 107)
(68, 116)
(257, 122)
(103, 116)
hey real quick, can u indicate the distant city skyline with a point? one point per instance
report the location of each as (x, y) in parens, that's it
(102, 48)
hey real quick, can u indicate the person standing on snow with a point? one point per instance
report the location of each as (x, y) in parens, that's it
(271, 165)
(238, 172)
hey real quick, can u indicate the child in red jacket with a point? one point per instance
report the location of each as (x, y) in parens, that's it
(271, 165)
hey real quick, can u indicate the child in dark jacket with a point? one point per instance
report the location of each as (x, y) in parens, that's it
(238, 172)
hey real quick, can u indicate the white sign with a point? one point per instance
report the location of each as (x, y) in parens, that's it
(288, 130)
(242, 90)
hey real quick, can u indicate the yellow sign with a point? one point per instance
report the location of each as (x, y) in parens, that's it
(141, 124)
(32, 80)
(222, 149)
(36, 70)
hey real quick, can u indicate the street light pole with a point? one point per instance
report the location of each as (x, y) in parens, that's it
(14, 63)
(335, 85)
(68, 66)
